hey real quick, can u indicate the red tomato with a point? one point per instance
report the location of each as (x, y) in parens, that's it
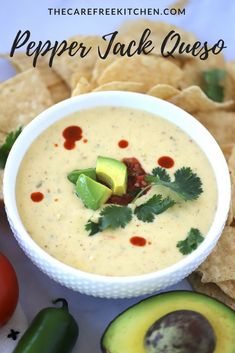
(9, 290)
(134, 167)
(135, 182)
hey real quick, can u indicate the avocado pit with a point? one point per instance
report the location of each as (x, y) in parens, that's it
(181, 331)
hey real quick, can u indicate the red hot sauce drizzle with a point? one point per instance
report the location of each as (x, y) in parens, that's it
(138, 241)
(37, 196)
(123, 143)
(166, 162)
(71, 134)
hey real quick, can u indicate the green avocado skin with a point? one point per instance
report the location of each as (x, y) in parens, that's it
(127, 332)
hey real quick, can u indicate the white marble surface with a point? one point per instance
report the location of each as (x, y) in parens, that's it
(209, 19)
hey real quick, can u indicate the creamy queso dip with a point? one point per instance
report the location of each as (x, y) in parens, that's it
(56, 221)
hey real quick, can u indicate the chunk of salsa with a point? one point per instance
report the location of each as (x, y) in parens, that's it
(135, 182)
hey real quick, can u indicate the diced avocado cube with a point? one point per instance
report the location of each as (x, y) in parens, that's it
(113, 173)
(92, 193)
(73, 176)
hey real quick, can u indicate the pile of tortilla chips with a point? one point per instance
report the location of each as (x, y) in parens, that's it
(178, 80)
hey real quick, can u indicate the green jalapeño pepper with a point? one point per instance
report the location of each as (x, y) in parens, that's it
(53, 330)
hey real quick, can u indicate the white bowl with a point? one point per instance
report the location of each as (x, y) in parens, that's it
(105, 286)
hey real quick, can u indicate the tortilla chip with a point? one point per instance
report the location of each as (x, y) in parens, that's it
(193, 69)
(59, 91)
(229, 91)
(179, 4)
(148, 70)
(221, 124)
(101, 65)
(132, 30)
(212, 62)
(82, 86)
(230, 66)
(21, 99)
(55, 84)
(227, 149)
(210, 289)
(231, 213)
(231, 160)
(75, 79)
(220, 264)
(66, 65)
(231, 164)
(163, 91)
(121, 86)
(22, 63)
(175, 60)
(192, 75)
(228, 287)
(193, 99)
(2, 137)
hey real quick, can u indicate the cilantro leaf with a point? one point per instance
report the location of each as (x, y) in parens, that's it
(154, 206)
(115, 216)
(92, 227)
(135, 192)
(110, 217)
(6, 147)
(161, 173)
(213, 84)
(186, 184)
(194, 238)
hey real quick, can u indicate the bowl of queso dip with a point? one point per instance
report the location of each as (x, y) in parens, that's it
(116, 194)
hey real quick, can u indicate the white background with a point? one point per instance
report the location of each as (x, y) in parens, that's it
(209, 19)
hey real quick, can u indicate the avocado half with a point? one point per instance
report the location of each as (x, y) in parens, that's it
(127, 332)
